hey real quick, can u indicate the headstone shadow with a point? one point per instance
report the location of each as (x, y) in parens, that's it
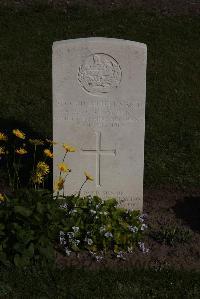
(189, 211)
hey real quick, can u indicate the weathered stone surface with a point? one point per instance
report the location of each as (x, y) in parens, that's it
(99, 89)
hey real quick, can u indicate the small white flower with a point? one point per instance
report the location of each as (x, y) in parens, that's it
(102, 229)
(130, 249)
(142, 247)
(97, 217)
(73, 211)
(144, 215)
(93, 211)
(143, 226)
(97, 206)
(100, 213)
(65, 206)
(75, 228)
(105, 213)
(98, 258)
(62, 238)
(120, 254)
(108, 234)
(67, 251)
(90, 242)
(133, 229)
(70, 234)
(141, 219)
(77, 242)
(62, 234)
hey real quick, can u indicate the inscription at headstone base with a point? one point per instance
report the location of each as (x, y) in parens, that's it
(99, 91)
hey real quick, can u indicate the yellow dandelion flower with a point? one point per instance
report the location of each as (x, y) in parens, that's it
(69, 148)
(38, 178)
(19, 134)
(3, 137)
(2, 198)
(51, 142)
(88, 176)
(59, 184)
(43, 168)
(2, 150)
(36, 141)
(21, 151)
(48, 153)
(63, 167)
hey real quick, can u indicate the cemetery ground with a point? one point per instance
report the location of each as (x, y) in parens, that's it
(172, 146)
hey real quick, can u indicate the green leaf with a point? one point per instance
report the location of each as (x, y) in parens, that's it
(20, 261)
(30, 250)
(47, 251)
(2, 226)
(18, 247)
(3, 257)
(40, 208)
(22, 211)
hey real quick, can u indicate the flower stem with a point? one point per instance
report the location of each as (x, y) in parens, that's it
(81, 188)
(63, 190)
(64, 157)
(14, 167)
(17, 173)
(62, 162)
(9, 176)
(34, 157)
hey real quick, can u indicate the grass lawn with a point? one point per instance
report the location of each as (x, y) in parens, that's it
(172, 134)
(79, 283)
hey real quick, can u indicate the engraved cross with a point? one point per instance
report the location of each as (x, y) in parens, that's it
(98, 152)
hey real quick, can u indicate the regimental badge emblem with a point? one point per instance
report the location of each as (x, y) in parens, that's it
(99, 74)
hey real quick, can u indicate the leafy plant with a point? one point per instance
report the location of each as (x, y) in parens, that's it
(171, 235)
(29, 226)
(95, 225)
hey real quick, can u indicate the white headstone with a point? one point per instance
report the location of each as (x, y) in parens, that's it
(99, 90)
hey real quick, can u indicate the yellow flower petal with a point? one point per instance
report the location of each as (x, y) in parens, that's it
(19, 133)
(2, 198)
(69, 148)
(88, 176)
(63, 167)
(3, 137)
(38, 178)
(21, 151)
(2, 150)
(48, 153)
(42, 168)
(59, 184)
